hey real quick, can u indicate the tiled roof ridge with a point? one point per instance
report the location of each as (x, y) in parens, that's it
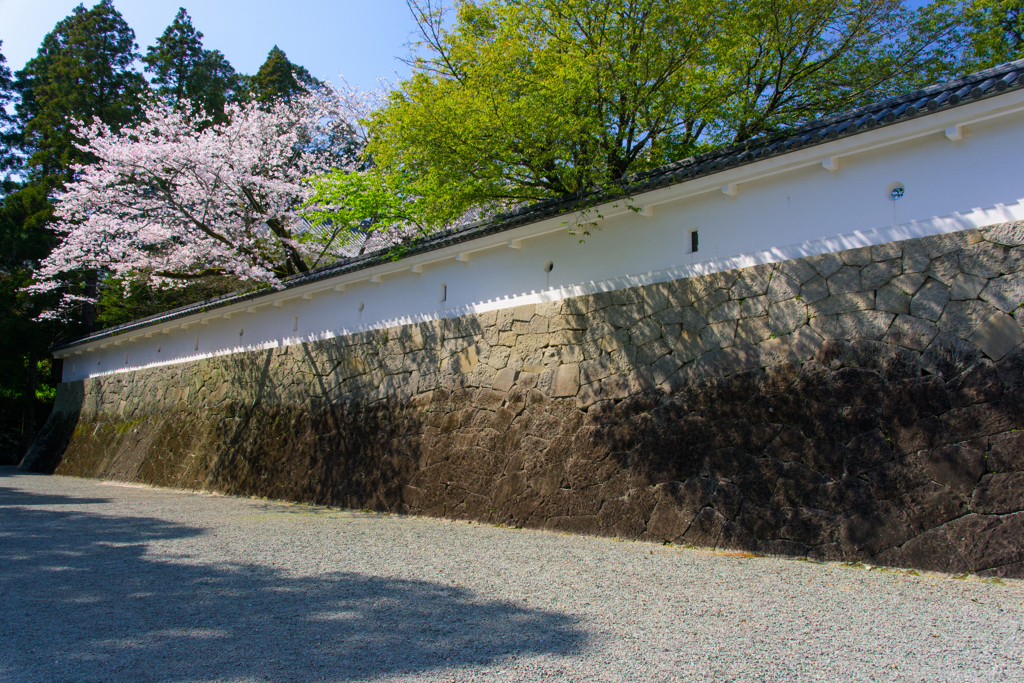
(940, 96)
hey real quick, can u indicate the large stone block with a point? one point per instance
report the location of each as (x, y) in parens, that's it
(875, 275)
(644, 331)
(915, 257)
(687, 346)
(845, 281)
(984, 260)
(1014, 262)
(1005, 293)
(945, 269)
(930, 300)
(999, 494)
(1006, 453)
(843, 303)
(798, 269)
(730, 310)
(825, 264)
(870, 529)
(782, 287)
(887, 251)
(997, 336)
(966, 287)
(651, 352)
(567, 380)
(719, 335)
(856, 257)
(979, 383)
(754, 307)
(752, 282)
(982, 419)
(910, 332)
(813, 290)
(948, 356)
(787, 316)
(988, 542)
(892, 299)
(753, 330)
(1006, 234)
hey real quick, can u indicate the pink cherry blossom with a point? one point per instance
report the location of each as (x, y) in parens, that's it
(169, 200)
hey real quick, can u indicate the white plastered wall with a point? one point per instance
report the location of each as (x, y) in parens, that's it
(961, 170)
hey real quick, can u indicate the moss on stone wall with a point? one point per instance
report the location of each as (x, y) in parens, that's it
(851, 406)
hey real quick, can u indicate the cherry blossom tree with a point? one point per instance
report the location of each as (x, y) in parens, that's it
(177, 197)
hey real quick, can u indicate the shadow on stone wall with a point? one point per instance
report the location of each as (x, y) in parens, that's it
(852, 406)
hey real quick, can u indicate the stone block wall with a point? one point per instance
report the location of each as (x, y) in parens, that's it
(854, 406)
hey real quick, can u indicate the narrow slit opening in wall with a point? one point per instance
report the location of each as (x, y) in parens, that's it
(197, 344)
(694, 244)
(442, 293)
(126, 358)
(295, 324)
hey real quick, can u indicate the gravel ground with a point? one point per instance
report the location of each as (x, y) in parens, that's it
(106, 582)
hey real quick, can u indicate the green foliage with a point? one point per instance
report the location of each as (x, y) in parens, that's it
(513, 101)
(279, 79)
(345, 208)
(83, 69)
(122, 302)
(182, 70)
(27, 375)
(792, 61)
(996, 32)
(8, 131)
(521, 101)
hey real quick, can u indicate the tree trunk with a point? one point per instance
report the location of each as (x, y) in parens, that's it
(89, 309)
(28, 413)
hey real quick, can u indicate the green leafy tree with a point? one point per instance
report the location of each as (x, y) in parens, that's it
(512, 101)
(350, 210)
(279, 79)
(996, 32)
(183, 71)
(791, 61)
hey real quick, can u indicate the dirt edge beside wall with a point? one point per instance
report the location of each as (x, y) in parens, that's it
(853, 406)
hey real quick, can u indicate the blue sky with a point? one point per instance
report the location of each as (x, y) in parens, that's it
(361, 39)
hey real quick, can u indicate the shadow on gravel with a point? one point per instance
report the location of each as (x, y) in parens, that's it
(80, 600)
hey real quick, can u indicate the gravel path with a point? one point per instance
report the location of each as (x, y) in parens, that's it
(105, 582)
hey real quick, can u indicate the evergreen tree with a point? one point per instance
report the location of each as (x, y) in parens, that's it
(83, 70)
(279, 79)
(175, 57)
(183, 70)
(27, 373)
(8, 131)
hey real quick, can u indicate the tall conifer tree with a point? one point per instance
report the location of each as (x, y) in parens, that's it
(8, 131)
(279, 79)
(83, 69)
(183, 71)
